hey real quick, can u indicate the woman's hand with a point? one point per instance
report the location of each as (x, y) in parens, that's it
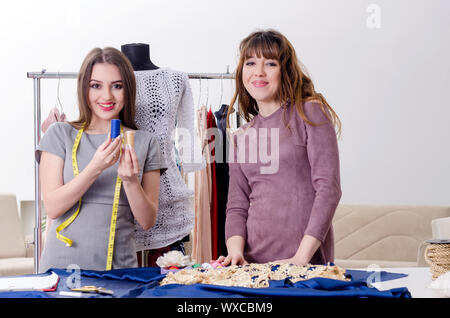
(308, 246)
(107, 154)
(232, 259)
(128, 165)
(235, 247)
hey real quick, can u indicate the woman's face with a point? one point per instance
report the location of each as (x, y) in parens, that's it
(106, 93)
(261, 79)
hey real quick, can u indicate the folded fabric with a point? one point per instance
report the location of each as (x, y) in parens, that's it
(380, 276)
(316, 287)
(144, 282)
(47, 281)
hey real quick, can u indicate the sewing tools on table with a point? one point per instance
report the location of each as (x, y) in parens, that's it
(93, 289)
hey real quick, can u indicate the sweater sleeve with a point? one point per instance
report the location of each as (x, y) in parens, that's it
(323, 156)
(238, 198)
(154, 159)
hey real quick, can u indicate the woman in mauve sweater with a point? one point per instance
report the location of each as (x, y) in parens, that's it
(284, 162)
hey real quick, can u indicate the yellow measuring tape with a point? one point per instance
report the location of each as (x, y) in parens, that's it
(112, 229)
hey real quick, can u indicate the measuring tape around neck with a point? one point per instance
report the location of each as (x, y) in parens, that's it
(112, 229)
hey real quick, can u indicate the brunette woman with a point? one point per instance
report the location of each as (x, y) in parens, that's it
(87, 177)
(280, 207)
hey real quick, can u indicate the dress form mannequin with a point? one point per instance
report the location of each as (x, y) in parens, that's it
(164, 104)
(139, 56)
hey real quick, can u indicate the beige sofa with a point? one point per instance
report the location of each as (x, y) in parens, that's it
(383, 235)
(16, 251)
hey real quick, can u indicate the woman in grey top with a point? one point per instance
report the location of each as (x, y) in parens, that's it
(106, 91)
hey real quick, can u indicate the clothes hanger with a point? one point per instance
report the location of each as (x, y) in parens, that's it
(58, 100)
(221, 90)
(55, 115)
(207, 94)
(200, 91)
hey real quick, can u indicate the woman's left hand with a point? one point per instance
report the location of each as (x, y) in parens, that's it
(128, 169)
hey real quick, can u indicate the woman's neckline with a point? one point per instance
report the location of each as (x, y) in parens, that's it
(270, 115)
(100, 134)
(94, 134)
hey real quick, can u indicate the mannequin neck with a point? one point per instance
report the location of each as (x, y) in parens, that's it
(139, 56)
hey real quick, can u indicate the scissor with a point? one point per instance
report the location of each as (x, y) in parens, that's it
(94, 289)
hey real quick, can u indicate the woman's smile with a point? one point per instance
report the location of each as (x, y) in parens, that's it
(260, 83)
(106, 106)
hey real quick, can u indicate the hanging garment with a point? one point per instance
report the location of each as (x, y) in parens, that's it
(222, 177)
(53, 117)
(164, 107)
(201, 235)
(211, 123)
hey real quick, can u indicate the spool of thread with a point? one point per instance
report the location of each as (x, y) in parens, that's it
(437, 255)
(129, 137)
(115, 128)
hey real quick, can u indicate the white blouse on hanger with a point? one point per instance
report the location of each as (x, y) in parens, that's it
(164, 104)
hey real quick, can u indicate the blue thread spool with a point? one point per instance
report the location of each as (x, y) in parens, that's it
(115, 128)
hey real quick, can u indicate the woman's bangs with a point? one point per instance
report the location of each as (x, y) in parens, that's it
(261, 46)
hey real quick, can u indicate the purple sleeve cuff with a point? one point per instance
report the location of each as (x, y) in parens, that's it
(235, 223)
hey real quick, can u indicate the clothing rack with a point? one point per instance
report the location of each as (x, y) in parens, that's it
(37, 76)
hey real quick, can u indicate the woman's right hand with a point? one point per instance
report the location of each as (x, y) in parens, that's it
(232, 259)
(107, 154)
(235, 247)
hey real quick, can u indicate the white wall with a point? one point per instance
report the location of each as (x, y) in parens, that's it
(390, 85)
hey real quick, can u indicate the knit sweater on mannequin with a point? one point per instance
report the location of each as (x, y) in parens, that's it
(165, 107)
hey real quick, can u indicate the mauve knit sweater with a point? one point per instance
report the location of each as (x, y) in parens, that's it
(273, 211)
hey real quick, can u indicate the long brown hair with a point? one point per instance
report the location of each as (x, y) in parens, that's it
(112, 56)
(296, 87)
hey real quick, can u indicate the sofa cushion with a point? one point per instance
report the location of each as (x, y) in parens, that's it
(364, 264)
(383, 232)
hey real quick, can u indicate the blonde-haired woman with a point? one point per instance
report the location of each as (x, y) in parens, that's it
(87, 177)
(282, 214)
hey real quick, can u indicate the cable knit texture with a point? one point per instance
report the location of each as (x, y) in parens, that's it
(164, 104)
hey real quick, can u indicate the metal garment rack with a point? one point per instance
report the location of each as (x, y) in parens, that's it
(37, 76)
